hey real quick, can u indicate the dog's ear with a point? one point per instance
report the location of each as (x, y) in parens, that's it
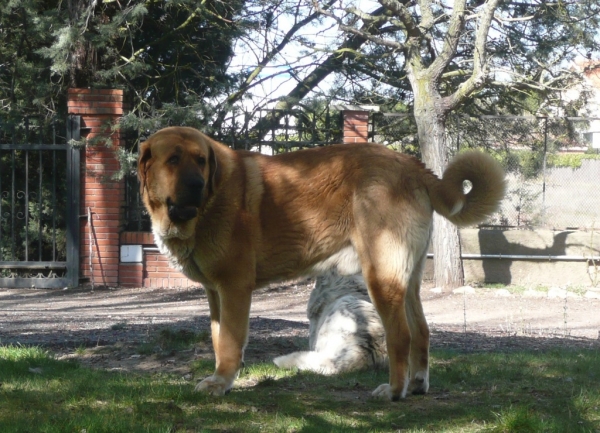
(143, 164)
(215, 171)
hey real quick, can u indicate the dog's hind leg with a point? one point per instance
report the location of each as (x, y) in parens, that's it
(386, 264)
(419, 343)
(392, 263)
(389, 297)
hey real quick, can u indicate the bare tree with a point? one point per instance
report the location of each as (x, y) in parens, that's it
(450, 51)
(281, 27)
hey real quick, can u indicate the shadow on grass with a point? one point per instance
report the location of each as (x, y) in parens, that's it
(521, 391)
(518, 390)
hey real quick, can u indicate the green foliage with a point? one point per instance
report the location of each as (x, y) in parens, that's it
(530, 164)
(525, 162)
(160, 52)
(170, 57)
(519, 420)
(397, 130)
(313, 123)
(572, 160)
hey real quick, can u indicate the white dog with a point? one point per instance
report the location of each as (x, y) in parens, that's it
(346, 332)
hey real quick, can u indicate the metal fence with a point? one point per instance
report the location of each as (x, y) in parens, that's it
(552, 166)
(39, 181)
(276, 131)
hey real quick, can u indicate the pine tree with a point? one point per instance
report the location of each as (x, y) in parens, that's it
(160, 52)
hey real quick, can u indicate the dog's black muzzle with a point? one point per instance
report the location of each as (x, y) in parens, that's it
(185, 206)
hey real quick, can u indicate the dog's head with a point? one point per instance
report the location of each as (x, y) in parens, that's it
(178, 171)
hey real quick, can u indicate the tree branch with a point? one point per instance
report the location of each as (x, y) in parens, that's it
(333, 62)
(427, 19)
(375, 20)
(399, 9)
(270, 56)
(455, 28)
(479, 74)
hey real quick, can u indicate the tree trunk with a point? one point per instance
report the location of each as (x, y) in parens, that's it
(430, 119)
(447, 264)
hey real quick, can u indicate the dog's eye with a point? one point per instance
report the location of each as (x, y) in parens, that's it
(201, 161)
(174, 160)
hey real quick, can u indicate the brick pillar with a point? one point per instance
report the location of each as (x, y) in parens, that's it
(356, 126)
(99, 109)
(356, 121)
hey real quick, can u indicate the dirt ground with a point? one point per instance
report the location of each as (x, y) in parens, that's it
(112, 323)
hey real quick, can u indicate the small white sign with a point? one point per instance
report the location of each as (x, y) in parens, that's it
(131, 253)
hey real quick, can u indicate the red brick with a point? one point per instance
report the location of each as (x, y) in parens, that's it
(131, 274)
(160, 275)
(107, 222)
(107, 104)
(354, 134)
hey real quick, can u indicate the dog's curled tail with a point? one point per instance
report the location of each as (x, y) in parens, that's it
(488, 186)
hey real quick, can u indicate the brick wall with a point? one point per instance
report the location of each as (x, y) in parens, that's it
(158, 273)
(154, 270)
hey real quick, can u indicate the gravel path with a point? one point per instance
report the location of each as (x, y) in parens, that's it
(468, 320)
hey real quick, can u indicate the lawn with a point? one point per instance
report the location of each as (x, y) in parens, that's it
(524, 391)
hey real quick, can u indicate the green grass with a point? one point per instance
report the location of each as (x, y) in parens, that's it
(512, 288)
(555, 391)
(519, 289)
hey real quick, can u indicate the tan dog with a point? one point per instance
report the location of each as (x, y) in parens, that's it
(237, 220)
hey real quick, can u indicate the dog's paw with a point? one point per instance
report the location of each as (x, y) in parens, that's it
(214, 385)
(385, 391)
(420, 383)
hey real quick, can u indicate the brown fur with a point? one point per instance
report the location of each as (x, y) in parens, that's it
(236, 220)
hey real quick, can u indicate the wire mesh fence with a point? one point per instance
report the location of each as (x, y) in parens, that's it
(552, 166)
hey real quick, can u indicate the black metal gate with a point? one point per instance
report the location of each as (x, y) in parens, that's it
(39, 203)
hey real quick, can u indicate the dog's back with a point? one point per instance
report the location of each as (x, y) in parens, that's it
(345, 330)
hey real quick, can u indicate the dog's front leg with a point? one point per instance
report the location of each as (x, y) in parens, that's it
(214, 304)
(230, 332)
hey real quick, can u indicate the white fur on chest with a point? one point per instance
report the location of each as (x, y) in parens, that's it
(178, 252)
